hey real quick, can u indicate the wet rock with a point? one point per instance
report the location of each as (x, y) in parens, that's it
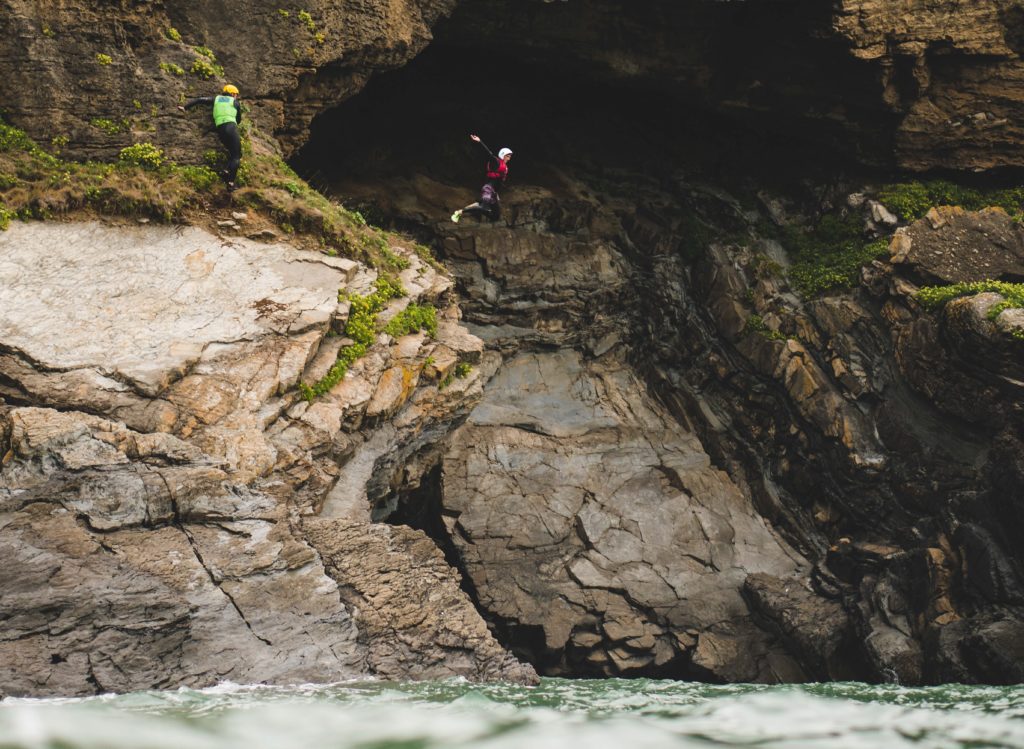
(818, 631)
(410, 612)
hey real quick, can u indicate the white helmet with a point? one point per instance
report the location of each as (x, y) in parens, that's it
(504, 152)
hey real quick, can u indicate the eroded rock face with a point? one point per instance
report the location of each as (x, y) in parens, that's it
(68, 64)
(919, 85)
(158, 464)
(584, 513)
(879, 440)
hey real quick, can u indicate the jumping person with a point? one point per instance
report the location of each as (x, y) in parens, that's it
(227, 115)
(497, 172)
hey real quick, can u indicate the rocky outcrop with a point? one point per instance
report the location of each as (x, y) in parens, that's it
(592, 524)
(842, 421)
(70, 66)
(159, 469)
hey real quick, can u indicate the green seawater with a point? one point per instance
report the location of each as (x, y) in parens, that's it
(600, 714)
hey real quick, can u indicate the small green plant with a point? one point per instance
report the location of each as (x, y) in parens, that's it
(172, 68)
(206, 52)
(48, 32)
(390, 259)
(5, 217)
(283, 13)
(306, 19)
(202, 178)
(462, 369)
(103, 59)
(413, 319)
(361, 328)
(59, 142)
(109, 126)
(145, 155)
(203, 68)
(446, 381)
(756, 324)
(173, 34)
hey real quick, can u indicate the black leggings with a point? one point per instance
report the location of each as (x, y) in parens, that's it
(228, 134)
(490, 210)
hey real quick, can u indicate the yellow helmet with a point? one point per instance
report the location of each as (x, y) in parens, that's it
(230, 90)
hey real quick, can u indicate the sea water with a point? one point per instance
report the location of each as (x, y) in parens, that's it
(598, 714)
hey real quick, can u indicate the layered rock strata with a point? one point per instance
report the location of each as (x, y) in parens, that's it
(850, 425)
(159, 469)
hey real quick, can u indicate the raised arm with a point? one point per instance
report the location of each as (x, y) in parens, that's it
(477, 139)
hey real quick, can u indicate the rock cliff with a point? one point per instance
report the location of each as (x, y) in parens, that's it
(634, 444)
(162, 479)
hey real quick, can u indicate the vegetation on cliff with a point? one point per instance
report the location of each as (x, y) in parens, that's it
(936, 297)
(912, 200)
(37, 184)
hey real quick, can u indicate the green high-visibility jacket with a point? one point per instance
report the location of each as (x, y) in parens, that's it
(224, 110)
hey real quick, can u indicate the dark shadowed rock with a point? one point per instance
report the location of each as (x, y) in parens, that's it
(952, 245)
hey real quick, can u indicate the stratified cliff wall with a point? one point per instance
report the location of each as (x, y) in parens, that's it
(639, 243)
(660, 459)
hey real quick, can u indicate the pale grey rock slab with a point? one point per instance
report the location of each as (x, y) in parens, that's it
(145, 301)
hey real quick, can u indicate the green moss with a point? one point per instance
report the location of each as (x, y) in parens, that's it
(361, 328)
(413, 319)
(172, 68)
(206, 52)
(830, 254)
(935, 297)
(912, 200)
(201, 178)
(5, 217)
(103, 59)
(173, 34)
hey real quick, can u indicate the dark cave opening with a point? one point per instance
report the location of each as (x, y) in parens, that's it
(754, 94)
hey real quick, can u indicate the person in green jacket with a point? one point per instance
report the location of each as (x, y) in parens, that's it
(227, 115)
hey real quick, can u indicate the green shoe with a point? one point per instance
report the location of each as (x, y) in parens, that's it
(456, 216)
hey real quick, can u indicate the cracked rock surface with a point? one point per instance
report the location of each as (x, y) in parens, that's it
(583, 512)
(157, 466)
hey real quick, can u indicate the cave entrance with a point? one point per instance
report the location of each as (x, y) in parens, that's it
(716, 89)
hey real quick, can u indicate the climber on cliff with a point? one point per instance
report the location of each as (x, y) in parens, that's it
(497, 172)
(227, 116)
